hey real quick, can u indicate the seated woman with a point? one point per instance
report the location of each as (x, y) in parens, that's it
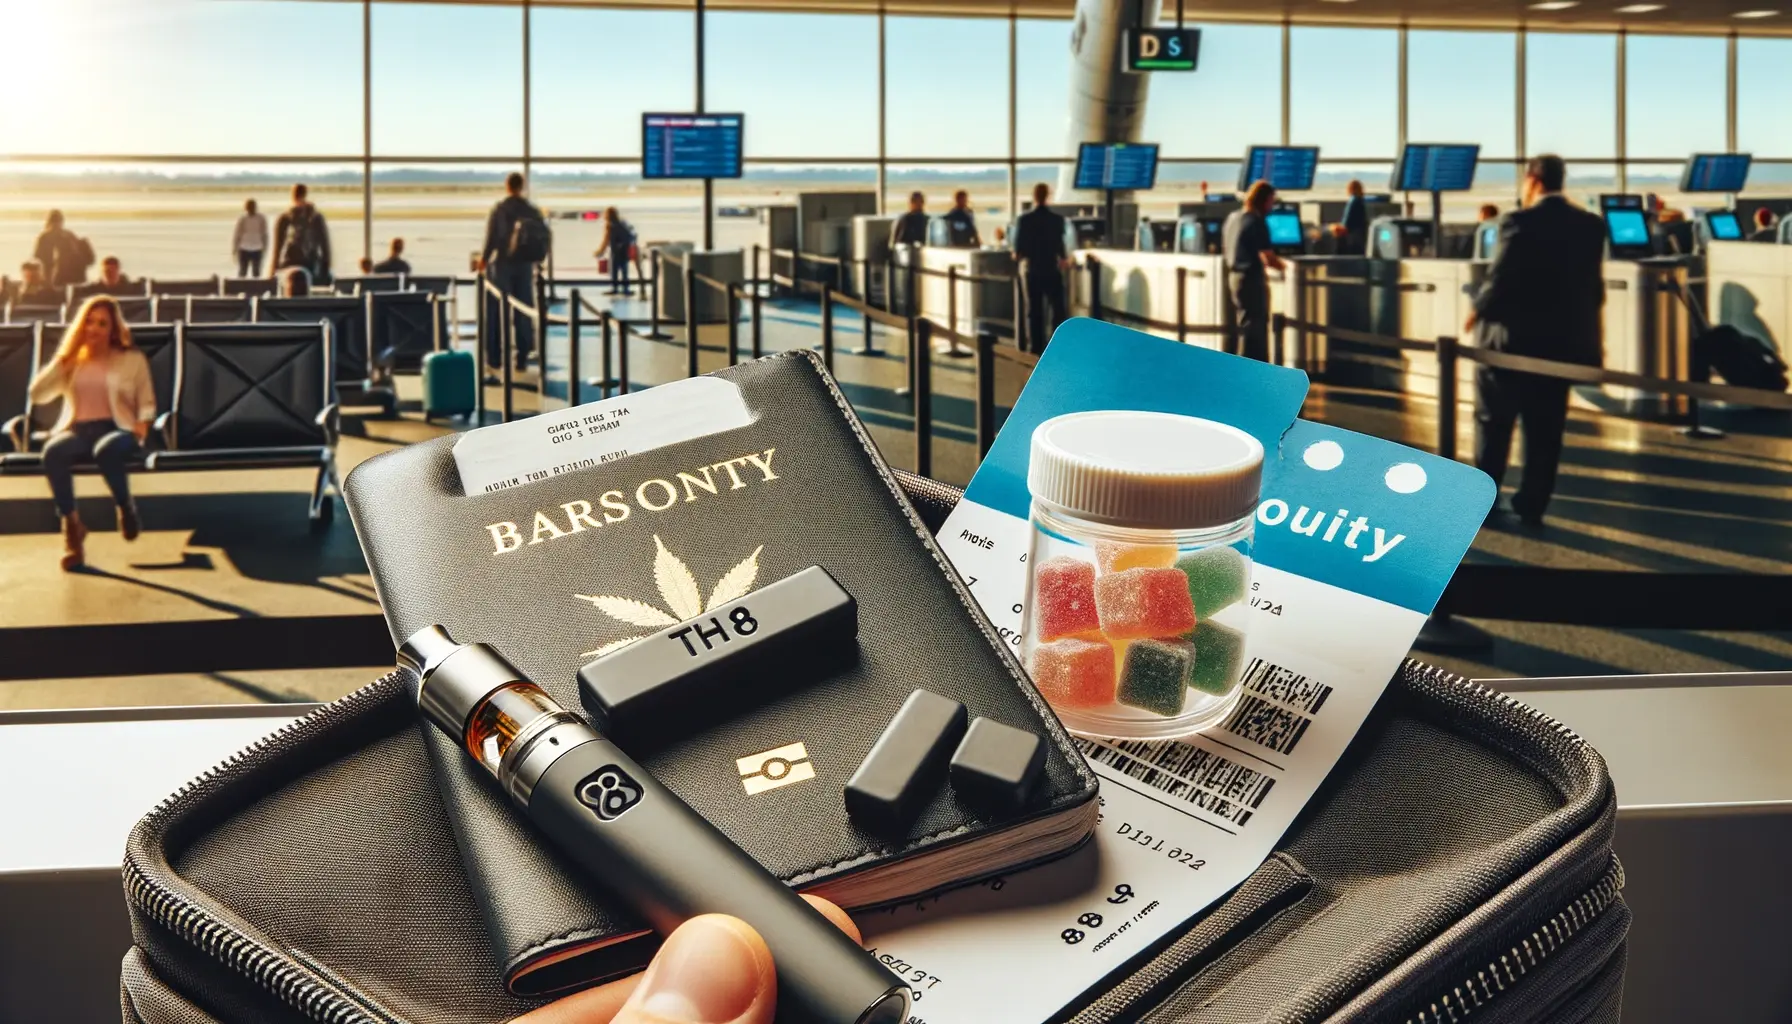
(107, 405)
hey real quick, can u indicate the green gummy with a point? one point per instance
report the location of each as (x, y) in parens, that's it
(1219, 649)
(1155, 676)
(1217, 578)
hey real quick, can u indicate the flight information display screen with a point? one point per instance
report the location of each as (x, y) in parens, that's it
(1715, 172)
(1724, 227)
(1287, 168)
(1433, 167)
(1284, 228)
(1116, 165)
(1627, 228)
(691, 145)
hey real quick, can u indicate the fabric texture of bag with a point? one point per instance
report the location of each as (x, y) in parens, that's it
(1456, 865)
(1740, 359)
(304, 242)
(529, 239)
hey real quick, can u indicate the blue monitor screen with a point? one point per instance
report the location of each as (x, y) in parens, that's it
(1627, 228)
(1116, 165)
(1288, 168)
(1284, 228)
(1724, 227)
(691, 145)
(1715, 172)
(1435, 168)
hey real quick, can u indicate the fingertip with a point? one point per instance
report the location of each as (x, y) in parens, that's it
(840, 918)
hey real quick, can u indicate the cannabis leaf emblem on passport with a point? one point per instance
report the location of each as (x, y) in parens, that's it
(678, 588)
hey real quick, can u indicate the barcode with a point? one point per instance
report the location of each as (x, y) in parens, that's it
(1189, 773)
(1267, 725)
(1285, 686)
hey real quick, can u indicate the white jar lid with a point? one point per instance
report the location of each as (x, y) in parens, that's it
(1152, 470)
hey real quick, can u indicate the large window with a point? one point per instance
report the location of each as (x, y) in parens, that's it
(181, 77)
(447, 80)
(807, 82)
(594, 71)
(1345, 96)
(1571, 94)
(1463, 87)
(1042, 75)
(946, 87)
(1764, 96)
(1674, 95)
(1232, 102)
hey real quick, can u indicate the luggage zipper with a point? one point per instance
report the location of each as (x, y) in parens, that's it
(1528, 954)
(270, 968)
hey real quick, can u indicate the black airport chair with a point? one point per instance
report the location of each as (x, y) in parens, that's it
(17, 313)
(78, 292)
(433, 285)
(364, 283)
(254, 396)
(402, 328)
(30, 428)
(18, 364)
(137, 309)
(347, 317)
(185, 286)
(249, 286)
(217, 309)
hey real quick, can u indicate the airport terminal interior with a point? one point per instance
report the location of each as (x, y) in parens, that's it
(738, 179)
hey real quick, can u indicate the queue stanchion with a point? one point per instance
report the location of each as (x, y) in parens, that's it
(923, 400)
(1094, 267)
(889, 285)
(956, 351)
(1021, 341)
(1278, 334)
(483, 347)
(1182, 305)
(733, 301)
(755, 275)
(572, 348)
(690, 320)
(1446, 397)
(827, 327)
(986, 392)
(758, 322)
(507, 332)
(622, 381)
(653, 306)
(604, 368)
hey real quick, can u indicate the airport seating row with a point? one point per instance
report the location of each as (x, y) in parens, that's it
(233, 396)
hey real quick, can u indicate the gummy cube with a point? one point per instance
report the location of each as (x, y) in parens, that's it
(1219, 649)
(1138, 603)
(1156, 676)
(1116, 557)
(1064, 598)
(1073, 673)
(1217, 577)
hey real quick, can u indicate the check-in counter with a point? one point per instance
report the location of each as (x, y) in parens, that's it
(1749, 287)
(1647, 330)
(985, 288)
(1143, 284)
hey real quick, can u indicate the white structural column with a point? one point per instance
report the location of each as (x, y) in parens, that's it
(1106, 103)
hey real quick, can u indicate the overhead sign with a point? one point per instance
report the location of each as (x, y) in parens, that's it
(1162, 49)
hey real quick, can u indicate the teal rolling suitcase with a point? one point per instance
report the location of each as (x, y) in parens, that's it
(450, 384)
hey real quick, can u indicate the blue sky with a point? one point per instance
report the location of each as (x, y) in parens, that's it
(199, 77)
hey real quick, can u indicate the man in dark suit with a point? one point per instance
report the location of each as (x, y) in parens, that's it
(1355, 221)
(1543, 297)
(1039, 246)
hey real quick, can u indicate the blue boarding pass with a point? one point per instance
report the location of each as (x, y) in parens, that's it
(1356, 538)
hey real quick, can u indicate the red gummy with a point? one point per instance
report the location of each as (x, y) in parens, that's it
(1073, 673)
(1064, 598)
(1141, 603)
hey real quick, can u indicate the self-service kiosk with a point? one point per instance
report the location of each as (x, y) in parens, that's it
(1156, 235)
(1645, 315)
(1200, 235)
(1286, 234)
(1716, 226)
(1399, 238)
(948, 233)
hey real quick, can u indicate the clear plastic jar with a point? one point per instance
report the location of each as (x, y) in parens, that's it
(1138, 570)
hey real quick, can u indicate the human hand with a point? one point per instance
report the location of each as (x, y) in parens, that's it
(141, 429)
(1473, 319)
(713, 969)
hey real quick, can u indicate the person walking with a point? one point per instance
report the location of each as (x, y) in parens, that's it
(302, 239)
(63, 256)
(1040, 250)
(1543, 297)
(516, 239)
(249, 240)
(108, 403)
(619, 244)
(1250, 256)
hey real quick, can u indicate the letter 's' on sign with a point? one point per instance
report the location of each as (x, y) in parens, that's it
(1162, 49)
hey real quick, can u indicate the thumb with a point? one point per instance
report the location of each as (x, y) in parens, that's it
(713, 969)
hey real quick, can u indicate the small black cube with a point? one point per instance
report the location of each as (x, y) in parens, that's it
(906, 765)
(996, 765)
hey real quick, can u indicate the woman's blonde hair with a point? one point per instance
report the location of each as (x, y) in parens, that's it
(121, 332)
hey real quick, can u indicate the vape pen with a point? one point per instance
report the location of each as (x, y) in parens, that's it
(638, 840)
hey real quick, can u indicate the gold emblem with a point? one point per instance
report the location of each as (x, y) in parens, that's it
(775, 768)
(678, 588)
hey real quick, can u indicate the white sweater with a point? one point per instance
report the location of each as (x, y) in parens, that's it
(251, 233)
(128, 386)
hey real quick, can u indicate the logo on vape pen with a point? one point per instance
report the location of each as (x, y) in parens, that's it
(678, 588)
(771, 769)
(610, 792)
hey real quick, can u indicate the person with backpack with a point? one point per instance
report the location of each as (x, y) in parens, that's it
(619, 240)
(64, 257)
(516, 239)
(302, 239)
